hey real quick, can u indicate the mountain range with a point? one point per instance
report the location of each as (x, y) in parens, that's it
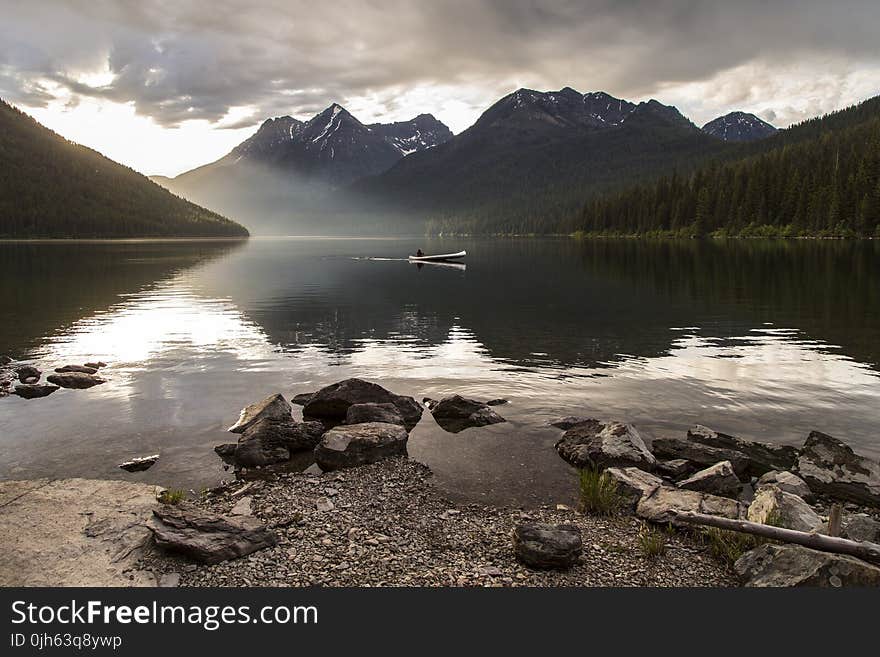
(50, 187)
(538, 150)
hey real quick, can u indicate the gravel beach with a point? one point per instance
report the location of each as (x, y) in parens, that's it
(386, 524)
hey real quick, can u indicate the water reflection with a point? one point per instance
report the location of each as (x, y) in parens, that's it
(661, 334)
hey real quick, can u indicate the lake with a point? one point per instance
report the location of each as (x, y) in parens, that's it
(767, 340)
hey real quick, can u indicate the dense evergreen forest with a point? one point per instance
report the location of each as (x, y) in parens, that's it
(50, 187)
(820, 178)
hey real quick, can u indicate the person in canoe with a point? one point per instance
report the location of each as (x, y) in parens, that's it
(419, 253)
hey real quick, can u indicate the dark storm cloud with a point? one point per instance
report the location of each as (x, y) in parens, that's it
(195, 59)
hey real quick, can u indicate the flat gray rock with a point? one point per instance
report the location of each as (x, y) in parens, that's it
(140, 463)
(74, 532)
(665, 502)
(207, 537)
(84, 369)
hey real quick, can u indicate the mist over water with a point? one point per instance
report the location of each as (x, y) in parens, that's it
(764, 339)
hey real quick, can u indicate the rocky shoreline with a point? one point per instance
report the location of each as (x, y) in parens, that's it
(364, 514)
(386, 524)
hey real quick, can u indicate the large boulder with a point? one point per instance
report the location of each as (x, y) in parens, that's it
(331, 403)
(699, 455)
(540, 545)
(831, 467)
(663, 505)
(351, 445)
(360, 413)
(794, 565)
(76, 380)
(457, 413)
(269, 441)
(206, 537)
(773, 506)
(633, 484)
(786, 481)
(273, 407)
(35, 390)
(596, 444)
(302, 398)
(763, 457)
(719, 479)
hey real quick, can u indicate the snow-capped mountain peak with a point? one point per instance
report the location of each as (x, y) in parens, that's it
(739, 126)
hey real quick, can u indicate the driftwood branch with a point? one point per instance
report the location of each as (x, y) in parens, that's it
(862, 550)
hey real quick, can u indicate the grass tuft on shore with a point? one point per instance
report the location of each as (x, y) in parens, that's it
(652, 541)
(598, 492)
(172, 496)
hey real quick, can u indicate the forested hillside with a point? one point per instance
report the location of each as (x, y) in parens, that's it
(50, 187)
(820, 178)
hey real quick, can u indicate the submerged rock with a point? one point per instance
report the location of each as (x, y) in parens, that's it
(540, 545)
(699, 455)
(77, 368)
(26, 372)
(794, 565)
(596, 444)
(207, 537)
(76, 380)
(457, 413)
(360, 413)
(35, 390)
(786, 481)
(139, 464)
(569, 421)
(351, 445)
(332, 402)
(773, 506)
(273, 407)
(497, 402)
(96, 364)
(762, 457)
(831, 467)
(719, 479)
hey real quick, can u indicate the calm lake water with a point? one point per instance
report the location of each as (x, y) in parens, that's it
(765, 340)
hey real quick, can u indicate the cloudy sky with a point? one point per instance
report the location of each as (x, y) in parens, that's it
(165, 85)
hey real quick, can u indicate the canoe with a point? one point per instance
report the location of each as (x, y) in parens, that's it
(439, 258)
